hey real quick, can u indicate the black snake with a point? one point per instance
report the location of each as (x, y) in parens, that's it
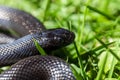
(35, 67)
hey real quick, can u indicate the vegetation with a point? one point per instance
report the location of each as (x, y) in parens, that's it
(95, 53)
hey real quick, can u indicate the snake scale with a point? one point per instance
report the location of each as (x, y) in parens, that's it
(21, 52)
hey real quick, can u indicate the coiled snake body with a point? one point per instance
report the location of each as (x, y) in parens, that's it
(35, 67)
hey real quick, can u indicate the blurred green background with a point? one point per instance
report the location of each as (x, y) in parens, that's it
(95, 54)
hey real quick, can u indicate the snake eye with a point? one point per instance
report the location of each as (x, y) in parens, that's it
(58, 40)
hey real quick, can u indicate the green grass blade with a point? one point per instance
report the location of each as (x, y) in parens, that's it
(74, 69)
(99, 75)
(39, 48)
(83, 24)
(100, 12)
(115, 55)
(46, 6)
(111, 69)
(60, 25)
(80, 62)
(101, 47)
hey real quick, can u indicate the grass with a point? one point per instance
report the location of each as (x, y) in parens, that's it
(95, 53)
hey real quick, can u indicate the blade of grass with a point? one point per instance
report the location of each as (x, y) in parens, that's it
(80, 32)
(70, 25)
(101, 47)
(58, 22)
(46, 6)
(115, 55)
(99, 75)
(39, 48)
(96, 49)
(80, 35)
(13, 32)
(100, 12)
(80, 62)
(111, 68)
(74, 69)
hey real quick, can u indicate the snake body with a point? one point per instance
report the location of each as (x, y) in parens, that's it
(34, 67)
(5, 39)
(39, 68)
(19, 21)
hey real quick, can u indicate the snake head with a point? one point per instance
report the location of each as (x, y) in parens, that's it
(55, 38)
